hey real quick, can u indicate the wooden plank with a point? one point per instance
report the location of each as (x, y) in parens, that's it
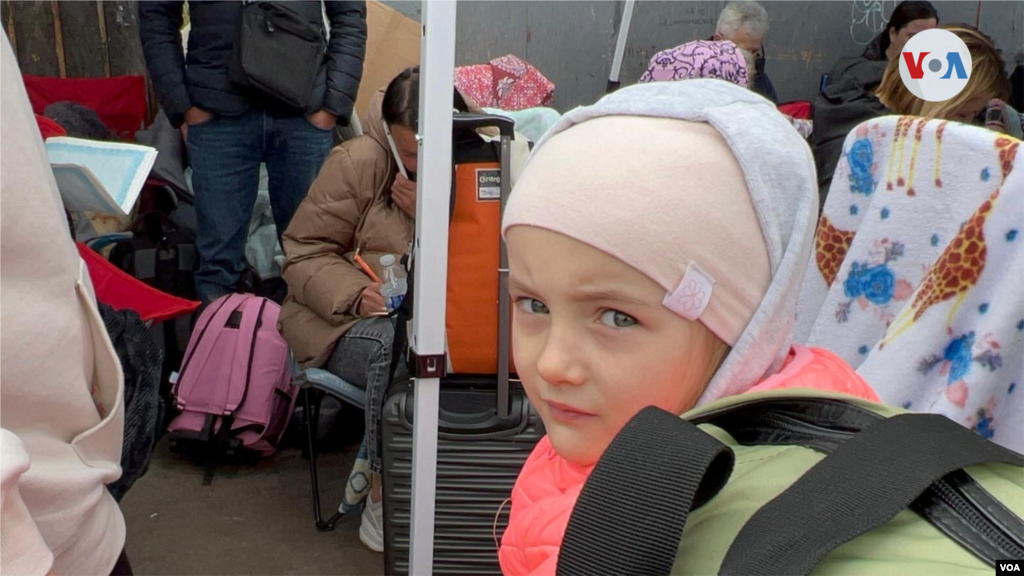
(124, 50)
(101, 19)
(58, 39)
(83, 47)
(33, 23)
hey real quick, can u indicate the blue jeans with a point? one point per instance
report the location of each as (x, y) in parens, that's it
(225, 153)
(363, 358)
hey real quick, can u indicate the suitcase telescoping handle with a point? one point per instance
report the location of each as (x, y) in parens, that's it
(506, 127)
(465, 121)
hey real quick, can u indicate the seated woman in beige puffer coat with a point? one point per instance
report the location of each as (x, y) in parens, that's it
(333, 316)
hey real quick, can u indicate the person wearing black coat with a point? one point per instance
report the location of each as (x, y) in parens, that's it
(1017, 83)
(848, 98)
(231, 128)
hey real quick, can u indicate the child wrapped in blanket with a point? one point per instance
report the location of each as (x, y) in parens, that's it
(657, 241)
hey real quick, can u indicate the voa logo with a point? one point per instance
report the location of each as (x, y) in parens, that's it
(935, 65)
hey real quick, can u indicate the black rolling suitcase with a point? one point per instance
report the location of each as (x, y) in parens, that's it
(479, 456)
(483, 441)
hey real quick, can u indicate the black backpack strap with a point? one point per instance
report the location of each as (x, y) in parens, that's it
(187, 257)
(144, 262)
(631, 512)
(867, 481)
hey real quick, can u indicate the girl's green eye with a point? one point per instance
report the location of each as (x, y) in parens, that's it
(531, 306)
(617, 319)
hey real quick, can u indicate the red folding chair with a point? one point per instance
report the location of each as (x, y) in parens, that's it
(117, 289)
(48, 128)
(121, 102)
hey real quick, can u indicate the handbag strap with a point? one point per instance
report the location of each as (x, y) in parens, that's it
(864, 483)
(667, 467)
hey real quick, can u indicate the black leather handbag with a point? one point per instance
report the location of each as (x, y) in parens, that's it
(279, 52)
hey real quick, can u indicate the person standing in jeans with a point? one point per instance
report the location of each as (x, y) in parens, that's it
(230, 129)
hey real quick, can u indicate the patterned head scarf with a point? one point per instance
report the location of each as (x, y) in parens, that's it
(699, 59)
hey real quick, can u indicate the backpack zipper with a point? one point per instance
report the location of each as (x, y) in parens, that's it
(803, 429)
(967, 511)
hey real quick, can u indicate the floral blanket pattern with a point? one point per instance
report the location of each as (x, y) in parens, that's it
(916, 278)
(873, 284)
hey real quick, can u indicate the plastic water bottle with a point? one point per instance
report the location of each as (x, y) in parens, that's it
(394, 287)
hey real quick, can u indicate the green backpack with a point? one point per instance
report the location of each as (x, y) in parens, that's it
(797, 482)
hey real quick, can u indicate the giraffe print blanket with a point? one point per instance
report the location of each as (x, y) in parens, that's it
(917, 272)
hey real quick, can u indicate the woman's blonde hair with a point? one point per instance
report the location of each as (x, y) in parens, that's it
(988, 78)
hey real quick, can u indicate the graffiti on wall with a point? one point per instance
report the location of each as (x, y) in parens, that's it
(868, 19)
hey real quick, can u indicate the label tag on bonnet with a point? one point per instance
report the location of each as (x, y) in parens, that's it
(692, 295)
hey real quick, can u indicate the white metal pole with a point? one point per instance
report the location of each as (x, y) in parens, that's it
(620, 46)
(433, 191)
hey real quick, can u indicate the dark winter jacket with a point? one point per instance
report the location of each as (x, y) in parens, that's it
(1017, 81)
(845, 102)
(763, 86)
(141, 358)
(202, 79)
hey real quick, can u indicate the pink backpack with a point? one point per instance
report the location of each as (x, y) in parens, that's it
(235, 386)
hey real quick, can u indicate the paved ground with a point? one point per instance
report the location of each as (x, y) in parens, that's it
(251, 520)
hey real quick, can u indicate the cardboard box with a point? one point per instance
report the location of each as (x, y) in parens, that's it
(392, 45)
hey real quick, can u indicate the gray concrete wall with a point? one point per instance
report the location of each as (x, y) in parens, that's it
(572, 42)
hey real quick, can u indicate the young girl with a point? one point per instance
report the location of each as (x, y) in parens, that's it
(657, 241)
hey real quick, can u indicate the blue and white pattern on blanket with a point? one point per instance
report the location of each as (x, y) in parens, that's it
(917, 271)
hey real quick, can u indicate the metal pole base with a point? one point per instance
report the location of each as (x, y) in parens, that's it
(329, 524)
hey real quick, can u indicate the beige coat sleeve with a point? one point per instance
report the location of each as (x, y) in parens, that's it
(61, 386)
(22, 548)
(322, 231)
